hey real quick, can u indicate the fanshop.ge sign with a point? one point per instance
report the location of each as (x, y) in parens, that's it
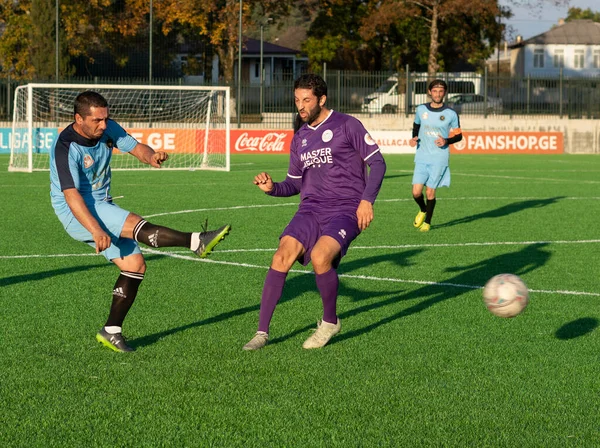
(508, 142)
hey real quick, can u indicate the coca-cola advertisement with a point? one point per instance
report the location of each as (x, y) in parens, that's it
(261, 141)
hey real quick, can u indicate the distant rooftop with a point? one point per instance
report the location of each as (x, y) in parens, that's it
(575, 32)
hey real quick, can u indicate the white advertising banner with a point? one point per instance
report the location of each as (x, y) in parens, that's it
(393, 142)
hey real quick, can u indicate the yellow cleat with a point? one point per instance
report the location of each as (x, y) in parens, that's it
(419, 219)
(424, 227)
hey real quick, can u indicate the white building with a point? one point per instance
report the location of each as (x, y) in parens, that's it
(571, 47)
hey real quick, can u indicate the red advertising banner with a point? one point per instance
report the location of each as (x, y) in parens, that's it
(260, 141)
(245, 141)
(509, 142)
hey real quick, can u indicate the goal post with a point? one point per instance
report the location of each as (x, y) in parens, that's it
(190, 123)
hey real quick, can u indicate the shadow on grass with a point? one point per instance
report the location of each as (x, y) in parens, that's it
(520, 262)
(577, 328)
(25, 278)
(294, 287)
(392, 176)
(503, 211)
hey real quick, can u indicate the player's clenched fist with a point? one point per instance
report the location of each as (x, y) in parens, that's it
(158, 158)
(264, 182)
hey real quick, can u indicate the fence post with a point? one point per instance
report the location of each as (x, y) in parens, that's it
(8, 97)
(407, 93)
(339, 89)
(560, 93)
(325, 71)
(528, 91)
(485, 93)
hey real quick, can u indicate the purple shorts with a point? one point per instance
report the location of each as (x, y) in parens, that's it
(307, 227)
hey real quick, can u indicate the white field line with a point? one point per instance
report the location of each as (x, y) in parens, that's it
(410, 199)
(351, 276)
(487, 176)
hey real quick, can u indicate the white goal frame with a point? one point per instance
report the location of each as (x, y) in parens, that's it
(25, 123)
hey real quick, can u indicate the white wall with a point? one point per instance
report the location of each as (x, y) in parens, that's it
(569, 57)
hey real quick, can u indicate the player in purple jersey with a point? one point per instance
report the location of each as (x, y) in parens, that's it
(436, 127)
(329, 156)
(80, 189)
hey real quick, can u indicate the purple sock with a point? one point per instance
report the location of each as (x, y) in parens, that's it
(271, 294)
(328, 287)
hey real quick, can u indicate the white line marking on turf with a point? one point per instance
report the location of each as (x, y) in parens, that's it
(362, 277)
(238, 207)
(351, 276)
(289, 204)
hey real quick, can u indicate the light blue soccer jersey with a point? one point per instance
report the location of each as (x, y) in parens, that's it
(84, 164)
(434, 123)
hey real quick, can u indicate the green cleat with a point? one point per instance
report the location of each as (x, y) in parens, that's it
(424, 227)
(115, 341)
(209, 239)
(419, 219)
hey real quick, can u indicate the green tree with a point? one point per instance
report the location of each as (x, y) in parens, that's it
(578, 14)
(43, 43)
(472, 22)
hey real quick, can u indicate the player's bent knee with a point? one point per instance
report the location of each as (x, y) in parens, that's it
(322, 261)
(132, 263)
(283, 261)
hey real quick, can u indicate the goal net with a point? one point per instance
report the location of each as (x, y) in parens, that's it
(190, 123)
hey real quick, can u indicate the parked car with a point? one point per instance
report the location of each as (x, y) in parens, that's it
(386, 99)
(475, 104)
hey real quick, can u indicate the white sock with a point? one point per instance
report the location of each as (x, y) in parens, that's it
(113, 330)
(195, 242)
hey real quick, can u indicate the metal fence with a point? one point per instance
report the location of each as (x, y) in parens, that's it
(383, 93)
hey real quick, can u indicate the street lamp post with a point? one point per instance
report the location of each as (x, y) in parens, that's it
(57, 28)
(239, 74)
(150, 44)
(262, 69)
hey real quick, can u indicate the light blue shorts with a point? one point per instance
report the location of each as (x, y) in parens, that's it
(112, 219)
(432, 176)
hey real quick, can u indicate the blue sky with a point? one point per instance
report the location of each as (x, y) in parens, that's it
(529, 22)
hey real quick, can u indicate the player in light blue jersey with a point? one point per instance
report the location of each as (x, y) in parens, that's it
(80, 179)
(436, 127)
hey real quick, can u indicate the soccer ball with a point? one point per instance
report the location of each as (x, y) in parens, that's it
(505, 295)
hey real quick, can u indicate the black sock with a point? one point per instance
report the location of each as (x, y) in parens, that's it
(124, 293)
(421, 202)
(430, 207)
(158, 236)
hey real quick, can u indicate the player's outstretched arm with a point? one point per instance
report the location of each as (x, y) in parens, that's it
(147, 155)
(264, 182)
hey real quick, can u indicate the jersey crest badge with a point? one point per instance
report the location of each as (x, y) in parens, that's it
(327, 135)
(442, 118)
(369, 140)
(304, 142)
(88, 161)
(425, 116)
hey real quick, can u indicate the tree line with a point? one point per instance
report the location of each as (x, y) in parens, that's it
(427, 35)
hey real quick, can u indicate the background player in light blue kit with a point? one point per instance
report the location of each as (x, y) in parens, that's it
(80, 177)
(436, 127)
(329, 157)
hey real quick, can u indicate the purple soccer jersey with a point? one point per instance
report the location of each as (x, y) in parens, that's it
(331, 161)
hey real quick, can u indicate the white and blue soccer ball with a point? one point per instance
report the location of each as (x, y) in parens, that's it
(505, 295)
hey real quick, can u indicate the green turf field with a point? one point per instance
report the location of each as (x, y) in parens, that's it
(420, 361)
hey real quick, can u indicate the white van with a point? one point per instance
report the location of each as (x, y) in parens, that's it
(387, 100)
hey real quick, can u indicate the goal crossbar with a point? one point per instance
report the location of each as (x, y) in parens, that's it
(191, 123)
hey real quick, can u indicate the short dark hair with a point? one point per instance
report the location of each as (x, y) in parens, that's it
(86, 100)
(438, 82)
(312, 82)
